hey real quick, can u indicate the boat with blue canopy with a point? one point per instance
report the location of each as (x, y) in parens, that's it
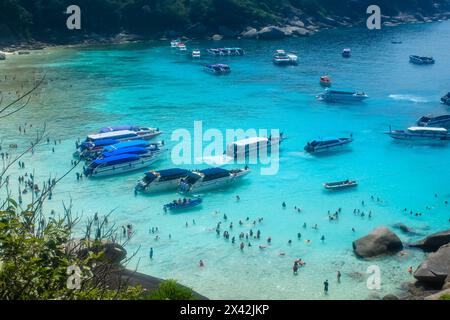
(421, 60)
(342, 96)
(183, 204)
(442, 121)
(161, 180)
(327, 145)
(339, 185)
(211, 178)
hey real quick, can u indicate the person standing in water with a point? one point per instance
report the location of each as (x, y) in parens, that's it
(325, 287)
(338, 276)
(151, 254)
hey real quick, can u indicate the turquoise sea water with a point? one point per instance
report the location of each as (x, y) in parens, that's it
(88, 88)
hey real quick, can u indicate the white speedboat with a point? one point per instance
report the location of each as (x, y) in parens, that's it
(252, 146)
(421, 134)
(196, 54)
(148, 132)
(161, 180)
(280, 57)
(342, 96)
(327, 145)
(119, 164)
(442, 121)
(212, 178)
(174, 43)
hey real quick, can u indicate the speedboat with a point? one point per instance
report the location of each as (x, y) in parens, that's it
(174, 43)
(421, 60)
(442, 121)
(426, 134)
(339, 185)
(346, 53)
(280, 57)
(148, 132)
(184, 204)
(226, 51)
(93, 150)
(332, 144)
(161, 180)
(181, 48)
(218, 69)
(325, 81)
(342, 96)
(196, 54)
(446, 99)
(212, 178)
(252, 146)
(119, 164)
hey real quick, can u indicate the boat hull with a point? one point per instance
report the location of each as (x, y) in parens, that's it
(159, 186)
(343, 145)
(202, 186)
(123, 168)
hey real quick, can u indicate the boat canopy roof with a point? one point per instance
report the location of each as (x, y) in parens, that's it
(116, 159)
(114, 134)
(214, 173)
(430, 129)
(105, 142)
(127, 144)
(168, 173)
(249, 141)
(324, 141)
(131, 150)
(119, 128)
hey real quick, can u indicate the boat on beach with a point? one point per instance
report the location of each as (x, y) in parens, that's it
(346, 53)
(442, 121)
(342, 96)
(226, 51)
(161, 180)
(211, 178)
(183, 204)
(446, 99)
(421, 60)
(325, 81)
(280, 57)
(218, 69)
(119, 164)
(252, 146)
(327, 145)
(339, 185)
(422, 134)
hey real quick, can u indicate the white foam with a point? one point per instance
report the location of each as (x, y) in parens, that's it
(407, 97)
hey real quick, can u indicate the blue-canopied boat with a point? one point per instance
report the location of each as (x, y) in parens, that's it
(218, 68)
(118, 164)
(161, 180)
(226, 51)
(342, 96)
(442, 121)
(421, 60)
(92, 151)
(211, 178)
(327, 145)
(146, 132)
(339, 185)
(183, 204)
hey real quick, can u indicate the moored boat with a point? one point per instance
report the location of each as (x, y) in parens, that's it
(119, 164)
(226, 51)
(342, 96)
(280, 57)
(196, 54)
(446, 99)
(325, 81)
(174, 43)
(253, 146)
(346, 53)
(326, 145)
(421, 60)
(339, 185)
(161, 180)
(183, 204)
(442, 121)
(218, 68)
(148, 132)
(212, 178)
(424, 134)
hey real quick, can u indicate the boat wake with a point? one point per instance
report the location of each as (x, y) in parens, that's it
(217, 160)
(407, 97)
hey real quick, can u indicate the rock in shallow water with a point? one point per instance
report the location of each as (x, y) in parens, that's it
(436, 268)
(434, 241)
(380, 241)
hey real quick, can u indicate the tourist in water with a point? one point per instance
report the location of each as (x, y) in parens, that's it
(325, 287)
(151, 253)
(295, 268)
(201, 264)
(338, 276)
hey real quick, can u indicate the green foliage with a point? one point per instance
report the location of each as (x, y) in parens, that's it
(445, 296)
(170, 290)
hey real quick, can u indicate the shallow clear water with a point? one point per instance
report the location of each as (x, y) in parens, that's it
(88, 88)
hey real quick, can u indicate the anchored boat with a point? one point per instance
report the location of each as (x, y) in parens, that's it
(424, 134)
(280, 57)
(346, 53)
(196, 54)
(339, 185)
(252, 146)
(325, 81)
(342, 96)
(326, 145)
(178, 205)
(147, 132)
(161, 180)
(442, 121)
(218, 69)
(226, 51)
(421, 60)
(212, 178)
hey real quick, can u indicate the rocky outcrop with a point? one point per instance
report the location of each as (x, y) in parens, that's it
(390, 297)
(2, 56)
(438, 295)
(271, 33)
(111, 253)
(436, 268)
(250, 33)
(380, 241)
(433, 242)
(404, 228)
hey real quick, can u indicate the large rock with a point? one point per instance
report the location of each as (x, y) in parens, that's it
(227, 32)
(379, 242)
(251, 33)
(434, 241)
(435, 269)
(2, 56)
(438, 296)
(113, 253)
(271, 33)
(404, 228)
(296, 31)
